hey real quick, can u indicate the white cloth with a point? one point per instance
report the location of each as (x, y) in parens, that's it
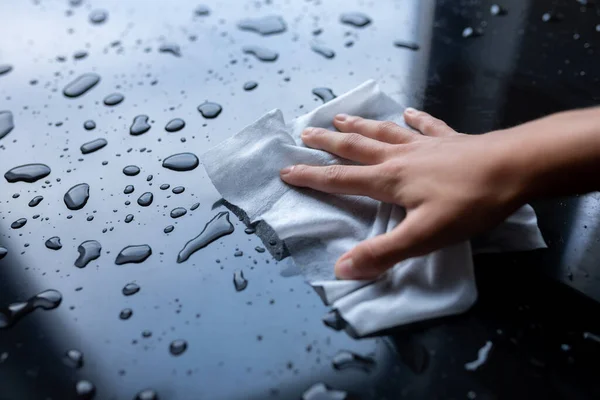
(318, 228)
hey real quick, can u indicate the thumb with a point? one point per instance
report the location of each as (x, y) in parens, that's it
(372, 257)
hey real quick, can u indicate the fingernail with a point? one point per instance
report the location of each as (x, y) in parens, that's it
(341, 117)
(307, 132)
(410, 111)
(286, 170)
(345, 269)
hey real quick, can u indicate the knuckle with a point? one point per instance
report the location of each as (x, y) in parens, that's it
(333, 174)
(349, 142)
(433, 125)
(384, 128)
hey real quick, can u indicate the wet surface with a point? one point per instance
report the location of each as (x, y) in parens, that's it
(269, 340)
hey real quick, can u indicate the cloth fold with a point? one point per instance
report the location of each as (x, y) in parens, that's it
(318, 228)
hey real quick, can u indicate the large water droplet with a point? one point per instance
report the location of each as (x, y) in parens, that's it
(145, 199)
(133, 254)
(178, 190)
(320, 391)
(175, 125)
(170, 48)
(73, 358)
(181, 162)
(178, 212)
(85, 390)
(202, 10)
(239, 281)
(147, 394)
(18, 224)
(53, 243)
(128, 189)
(88, 251)
(5, 68)
(140, 125)
(131, 289)
(250, 85)
(47, 300)
(348, 360)
(356, 19)
(177, 347)
(98, 16)
(35, 201)
(322, 50)
(81, 84)
(77, 197)
(324, 94)
(268, 25)
(262, 53)
(89, 125)
(217, 227)
(94, 145)
(406, 45)
(113, 99)
(131, 170)
(125, 313)
(3, 252)
(209, 109)
(27, 173)
(6, 123)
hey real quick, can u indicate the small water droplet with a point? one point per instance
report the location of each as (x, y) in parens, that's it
(77, 197)
(134, 254)
(217, 227)
(113, 99)
(178, 190)
(131, 170)
(406, 45)
(89, 125)
(322, 50)
(53, 243)
(324, 94)
(73, 358)
(250, 231)
(469, 32)
(27, 173)
(261, 53)
(35, 201)
(194, 206)
(175, 125)
(88, 251)
(177, 347)
(356, 19)
(140, 125)
(250, 85)
(238, 253)
(81, 85)
(181, 162)
(482, 356)
(147, 394)
(210, 110)
(130, 289)
(128, 218)
(496, 10)
(164, 186)
(6, 123)
(93, 145)
(98, 16)
(85, 390)
(47, 300)
(259, 249)
(125, 313)
(348, 360)
(202, 10)
(170, 48)
(80, 54)
(551, 17)
(145, 199)
(320, 391)
(178, 212)
(128, 189)
(18, 224)
(5, 68)
(169, 229)
(146, 333)
(268, 25)
(239, 282)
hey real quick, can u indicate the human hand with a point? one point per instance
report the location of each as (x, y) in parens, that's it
(452, 185)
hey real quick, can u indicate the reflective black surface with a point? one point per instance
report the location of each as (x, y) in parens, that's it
(267, 340)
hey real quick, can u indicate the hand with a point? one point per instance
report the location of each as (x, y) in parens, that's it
(452, 185)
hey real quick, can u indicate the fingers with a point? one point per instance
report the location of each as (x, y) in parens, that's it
(351, 146)
(372, 257)
(339, 179)
(383, 131)
(426, 124)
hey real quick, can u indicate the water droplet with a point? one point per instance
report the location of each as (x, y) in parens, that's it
(85, 390)
(89, 125)
(250, 231)
(88, 251)
(268, 25)
(80, 54)
(131, 170)
(164, 186)
(18, 224)
(133, 254)
(81, 84)
(146, 333)
(3, 252)
(53, 243)
(194, 206)
(482, 356)
(177, 347)
(27, 173)
(178, 190)
(35, 201)
(93, 146)
(259, 249)
(322, 50)
(47, 300)
(147, 394)
(250, 85)
(140, 125)
(125, 313)
(145, 199)
(239, 281)
(171, 48)
(406, 45)
(98, 16)
(5, 68)
(497, 10)
(348, 360)
(320, 391)
(262, 53)
(209, 109)
(113, 99)
(238, 253)
(202, 10)
(130, 289)
(551, 17)
(77, 197)
(181, 162)
(6, 123)
(217, 227)
(324, 94)
(469, 32)
(175, 125)
(128, 189)
(356, 19)
(128, 218)
(178, 212)
(168, 229)
(73, 358)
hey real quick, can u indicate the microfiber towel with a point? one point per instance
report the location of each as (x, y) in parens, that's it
(317, 228)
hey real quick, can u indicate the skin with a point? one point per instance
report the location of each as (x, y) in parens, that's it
(452, 185)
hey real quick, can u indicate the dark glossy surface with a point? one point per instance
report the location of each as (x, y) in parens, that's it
(268, 340)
